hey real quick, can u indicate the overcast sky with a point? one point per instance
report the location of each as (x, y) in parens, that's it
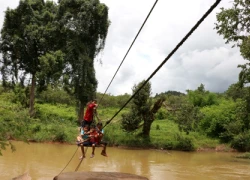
(203, 58)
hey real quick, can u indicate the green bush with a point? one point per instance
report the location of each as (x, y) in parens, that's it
(60, 136)
(216, 117)
(56, 95)
(35, 128)
(161, 114)
(20, 96)
(241, 142)
(184, 143)
(54, 132)
(56, 113)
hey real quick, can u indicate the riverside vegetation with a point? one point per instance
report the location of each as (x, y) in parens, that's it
(197, 120)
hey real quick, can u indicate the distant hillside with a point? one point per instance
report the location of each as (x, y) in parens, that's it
(175, 93)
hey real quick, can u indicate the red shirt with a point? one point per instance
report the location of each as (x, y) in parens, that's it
(93, 136)
(89, 112)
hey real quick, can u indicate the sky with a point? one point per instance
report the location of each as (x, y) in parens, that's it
(203, 58)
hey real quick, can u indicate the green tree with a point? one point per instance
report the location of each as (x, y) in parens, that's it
(28, 44)
(175, 93)
(224, 121)
(233, 25)
(188, 116)
(142, 110)
(173, 102)
(84, 26)
(200, 97)
(235, 91)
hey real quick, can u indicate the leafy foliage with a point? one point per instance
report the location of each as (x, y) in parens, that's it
(188, 117)
(224, 121)
(235, 91)
(233, 25)
(84, 26)
(184, 143)
(169, 93)
(28, 44)
(241, 142)
(55, 95)
(140, 108)
(54, 43)
(200, 97)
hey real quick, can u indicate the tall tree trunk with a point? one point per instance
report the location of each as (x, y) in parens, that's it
(32, 95)
(81, 112)
(147, 126)
(149, 117)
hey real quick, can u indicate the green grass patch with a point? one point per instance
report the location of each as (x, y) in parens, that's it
(164, 134)
(107, 113)
(57, 113)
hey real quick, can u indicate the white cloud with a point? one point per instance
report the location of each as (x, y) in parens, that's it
(203, 58)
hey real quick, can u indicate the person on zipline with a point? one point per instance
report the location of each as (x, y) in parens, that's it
(89, 113)
(93, 136)
(87, 138)
(83, 139)
(100, 132)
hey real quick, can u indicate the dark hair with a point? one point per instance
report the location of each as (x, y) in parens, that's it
(99, 124)
(86, 125)
(92, 126)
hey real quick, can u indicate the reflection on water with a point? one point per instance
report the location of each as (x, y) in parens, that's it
(44, 161)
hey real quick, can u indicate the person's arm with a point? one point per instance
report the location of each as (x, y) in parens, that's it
(82, 132)
(96, 114)
(87, 139)
(79, 138)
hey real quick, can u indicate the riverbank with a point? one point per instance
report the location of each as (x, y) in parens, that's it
(218, 148)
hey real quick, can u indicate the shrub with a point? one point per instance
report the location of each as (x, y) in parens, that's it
(217, 117)
(241, 142)
(184, 143)
(161, 114)
(56, 95)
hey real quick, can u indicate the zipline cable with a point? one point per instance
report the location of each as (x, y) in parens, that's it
(69, 161)
(77, 167)
(169, 55)
(129, 49)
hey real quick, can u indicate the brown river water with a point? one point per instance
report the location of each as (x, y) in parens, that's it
(45, 161)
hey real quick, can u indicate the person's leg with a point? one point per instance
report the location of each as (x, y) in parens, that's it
(83, 153)
(104, 144)
(100, 138)
(93, 150)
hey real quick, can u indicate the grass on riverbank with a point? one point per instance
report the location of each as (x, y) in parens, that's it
(164, 135)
